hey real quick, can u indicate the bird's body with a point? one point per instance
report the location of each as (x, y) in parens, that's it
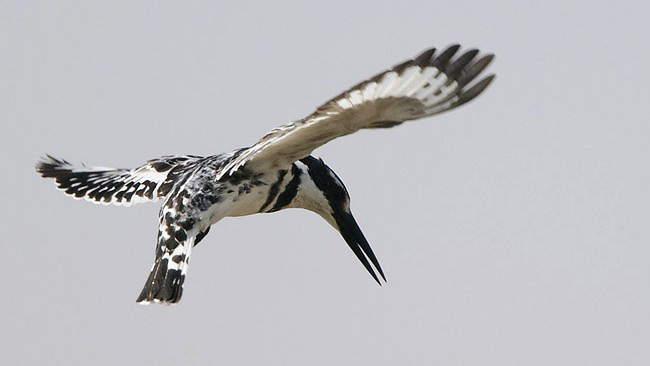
(276, 173)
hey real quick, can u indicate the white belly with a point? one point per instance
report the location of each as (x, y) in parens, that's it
(237, 201)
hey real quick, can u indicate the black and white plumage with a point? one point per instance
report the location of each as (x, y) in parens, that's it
(278, 171)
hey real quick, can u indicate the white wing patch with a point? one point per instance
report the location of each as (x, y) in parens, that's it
(119, 187)
(417, 88)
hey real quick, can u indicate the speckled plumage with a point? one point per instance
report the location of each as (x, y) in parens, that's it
(278, 171)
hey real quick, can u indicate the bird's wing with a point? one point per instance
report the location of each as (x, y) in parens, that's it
(119, 187)
(429, 84)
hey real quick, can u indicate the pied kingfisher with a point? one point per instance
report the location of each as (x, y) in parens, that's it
(278, 171)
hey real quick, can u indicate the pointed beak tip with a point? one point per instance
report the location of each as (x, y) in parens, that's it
(355, 239)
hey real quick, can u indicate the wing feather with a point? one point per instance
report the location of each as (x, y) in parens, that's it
(414, 89)
(121, 187)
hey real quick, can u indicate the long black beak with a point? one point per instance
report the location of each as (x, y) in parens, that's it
(352, 234)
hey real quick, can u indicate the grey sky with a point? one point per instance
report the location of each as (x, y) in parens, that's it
(513, 231)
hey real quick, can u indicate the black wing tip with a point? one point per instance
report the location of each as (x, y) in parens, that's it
(489, 57)
(446, 55)
(454, 68)
(462, 68)
(476, 89)
(472, 70)
(425, 57)
(429, 58)
(453, 48)
(51, 167)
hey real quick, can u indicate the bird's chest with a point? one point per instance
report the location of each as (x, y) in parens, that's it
(239, 196)
(245, 198)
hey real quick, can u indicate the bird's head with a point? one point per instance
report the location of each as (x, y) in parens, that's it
(323, 192)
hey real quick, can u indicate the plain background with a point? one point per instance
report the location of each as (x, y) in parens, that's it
(513, 231)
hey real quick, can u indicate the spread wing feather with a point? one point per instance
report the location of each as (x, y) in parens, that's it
(121, 187)
(426, 85)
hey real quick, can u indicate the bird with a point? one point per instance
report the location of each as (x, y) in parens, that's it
(277, 172)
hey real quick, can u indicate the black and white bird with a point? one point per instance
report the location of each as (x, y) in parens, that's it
(278, 171)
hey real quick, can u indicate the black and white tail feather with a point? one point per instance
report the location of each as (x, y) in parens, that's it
(277, 172)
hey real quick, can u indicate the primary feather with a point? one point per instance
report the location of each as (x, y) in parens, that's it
(427, 85)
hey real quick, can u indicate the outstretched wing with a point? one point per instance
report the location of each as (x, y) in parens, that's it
(116, 186)
(427, 85)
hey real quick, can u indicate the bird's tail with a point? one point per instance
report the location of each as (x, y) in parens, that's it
(178, 233)
(165, 282)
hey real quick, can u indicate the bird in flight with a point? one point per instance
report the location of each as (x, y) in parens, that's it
(278, 171)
